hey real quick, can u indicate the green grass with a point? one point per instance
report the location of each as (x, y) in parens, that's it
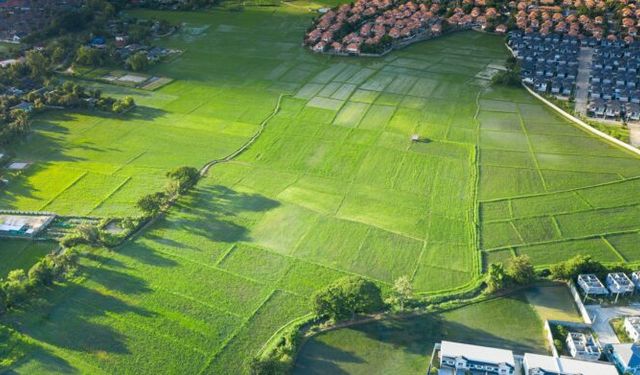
(332, 187)
(553, 302)
(22, 254)
(403, 346)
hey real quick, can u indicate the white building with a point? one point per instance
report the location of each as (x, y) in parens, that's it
(619, 283)
(457, 357)
(632, 327)
(535, 364)
(583, 347)
(591, 285)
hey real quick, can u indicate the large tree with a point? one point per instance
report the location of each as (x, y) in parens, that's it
(346, 297)
(521, 270)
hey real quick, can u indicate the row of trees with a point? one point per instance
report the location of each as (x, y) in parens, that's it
(180, 181)
(19, 285)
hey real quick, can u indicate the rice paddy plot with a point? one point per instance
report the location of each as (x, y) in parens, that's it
(555, 252)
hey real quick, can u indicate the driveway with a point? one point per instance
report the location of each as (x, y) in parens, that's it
(582, 80)
(601, 317)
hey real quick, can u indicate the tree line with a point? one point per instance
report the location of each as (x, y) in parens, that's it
(19, 286)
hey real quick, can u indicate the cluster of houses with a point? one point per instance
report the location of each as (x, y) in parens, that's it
(18, 18)
(618, 283)
(617, 20)
(368, 24)
(614, 85)
(549, 63)
(458, 358)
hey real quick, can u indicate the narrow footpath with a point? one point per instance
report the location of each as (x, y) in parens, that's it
(582, 80)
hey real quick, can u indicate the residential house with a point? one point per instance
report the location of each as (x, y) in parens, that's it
(583, 346)
(619, 283)
(632, 327)
(591, 285)
(461, 358)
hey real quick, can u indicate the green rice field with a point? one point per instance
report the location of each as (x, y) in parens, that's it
(332, 187)
(404, 346)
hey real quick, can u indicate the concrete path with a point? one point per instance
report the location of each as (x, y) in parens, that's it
(582, 80)
(634, 135)
(601, 317)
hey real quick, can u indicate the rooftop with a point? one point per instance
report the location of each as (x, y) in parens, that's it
(552, 365)
(476, 353)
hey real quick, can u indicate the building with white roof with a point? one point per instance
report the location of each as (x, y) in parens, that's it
(583, 347)
(632, 327)
(591, 285)
(626, 357)
(457, 357)
(536, 364)
(619, 283)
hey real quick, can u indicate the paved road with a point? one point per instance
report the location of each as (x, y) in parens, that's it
(582, 80)
(601, 317)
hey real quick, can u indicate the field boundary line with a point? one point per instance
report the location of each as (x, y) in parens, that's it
(476, 235)
(531, 149)
(224, 255)
(230, 338)
(205, 169)
(613, 248)
(561, 213)
(560, 191)
(583, 124)
(120, 186)
(556, 225)
(568, 239)
(63, 190)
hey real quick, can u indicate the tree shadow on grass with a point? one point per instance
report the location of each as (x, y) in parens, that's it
(414, 335)
(74, 320)
(211, 212)
(324, 359)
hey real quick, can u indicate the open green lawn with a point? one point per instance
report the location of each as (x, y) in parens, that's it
(21, 254)
(333, 186)
(404, 346)
(553, 302)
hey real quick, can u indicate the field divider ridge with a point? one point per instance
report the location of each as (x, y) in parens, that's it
(63, 190)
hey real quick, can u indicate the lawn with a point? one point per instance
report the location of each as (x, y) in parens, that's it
(21, 254)
(334, 186)
(403, 346)
(553, 302)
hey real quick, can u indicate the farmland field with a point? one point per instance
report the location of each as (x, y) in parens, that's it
(332, 187)
(404, 346)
